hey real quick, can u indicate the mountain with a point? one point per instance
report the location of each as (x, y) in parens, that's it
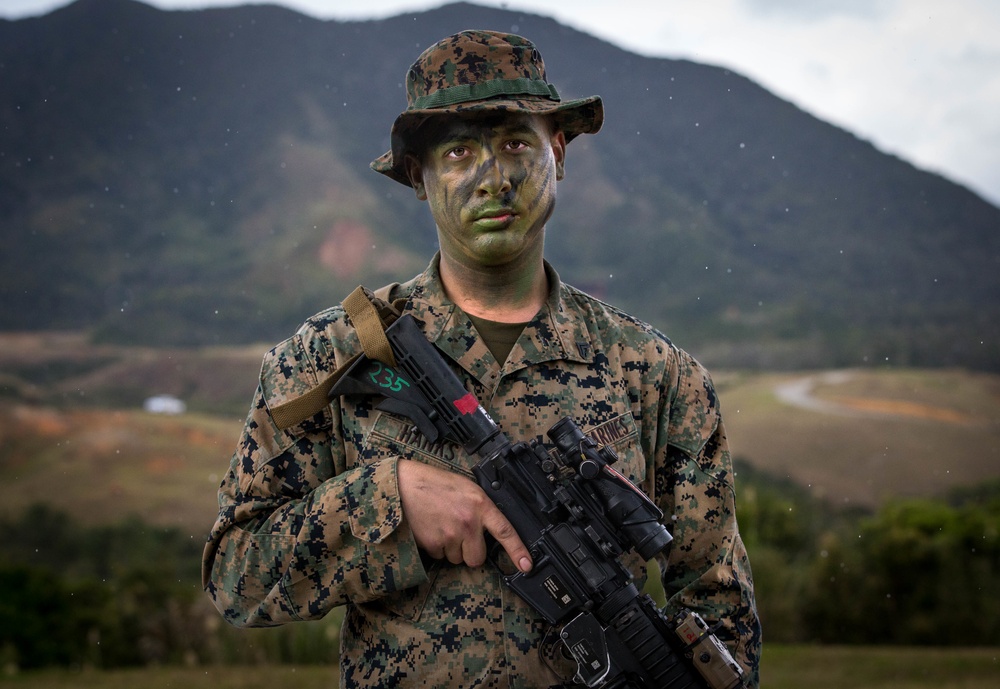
(195, 177)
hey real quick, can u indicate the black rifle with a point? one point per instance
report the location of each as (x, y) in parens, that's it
(576, 515)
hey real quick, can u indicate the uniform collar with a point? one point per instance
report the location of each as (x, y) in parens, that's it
(558, 332)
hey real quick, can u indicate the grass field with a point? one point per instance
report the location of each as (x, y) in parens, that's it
(70, 436)
(860, 437)
(104, 465)
(783, 667)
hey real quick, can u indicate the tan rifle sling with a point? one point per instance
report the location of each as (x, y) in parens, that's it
(370, 314)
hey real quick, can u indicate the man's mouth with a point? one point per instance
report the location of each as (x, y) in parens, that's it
(496, 216)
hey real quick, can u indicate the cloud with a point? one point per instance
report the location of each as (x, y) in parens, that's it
(920, 79)
(817, 9)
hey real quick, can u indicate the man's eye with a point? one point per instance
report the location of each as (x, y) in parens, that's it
(516, 145)
(457, 152)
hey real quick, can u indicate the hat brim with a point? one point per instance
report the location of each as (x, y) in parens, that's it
(575, 117)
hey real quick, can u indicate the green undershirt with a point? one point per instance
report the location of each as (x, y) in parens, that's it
(498, 337)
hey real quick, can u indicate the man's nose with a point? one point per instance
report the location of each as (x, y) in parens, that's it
(494, 179)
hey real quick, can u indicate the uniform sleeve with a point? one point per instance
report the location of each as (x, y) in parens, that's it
(299, 532)
(707, 569)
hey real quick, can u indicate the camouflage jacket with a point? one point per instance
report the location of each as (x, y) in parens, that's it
(310, 517)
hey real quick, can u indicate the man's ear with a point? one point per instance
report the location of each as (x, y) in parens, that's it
(559, 152)
(415, 173)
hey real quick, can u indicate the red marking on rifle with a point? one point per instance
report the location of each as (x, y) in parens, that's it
(467, 404)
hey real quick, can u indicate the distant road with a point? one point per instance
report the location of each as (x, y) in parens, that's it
(799, 393)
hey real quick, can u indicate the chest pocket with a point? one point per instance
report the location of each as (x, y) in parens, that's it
(392, 435)
(622, 435)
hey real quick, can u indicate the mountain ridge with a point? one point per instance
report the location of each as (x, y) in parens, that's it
(201, 176)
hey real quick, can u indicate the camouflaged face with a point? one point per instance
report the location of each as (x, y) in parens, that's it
(478, 71)
(310, 517)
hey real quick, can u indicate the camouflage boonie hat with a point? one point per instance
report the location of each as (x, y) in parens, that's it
(481, 71)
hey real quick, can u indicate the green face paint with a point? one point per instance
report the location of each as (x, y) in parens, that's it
(491, 185)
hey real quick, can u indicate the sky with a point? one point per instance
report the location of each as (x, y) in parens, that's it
(919, 79)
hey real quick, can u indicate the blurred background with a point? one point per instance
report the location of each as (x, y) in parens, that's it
(802, 196)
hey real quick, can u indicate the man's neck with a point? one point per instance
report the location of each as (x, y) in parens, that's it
(504, 294)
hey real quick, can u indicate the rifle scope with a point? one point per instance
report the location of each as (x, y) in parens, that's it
(628, 509)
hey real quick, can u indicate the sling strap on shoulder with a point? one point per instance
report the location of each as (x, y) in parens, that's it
(369, 325)
(370, 314)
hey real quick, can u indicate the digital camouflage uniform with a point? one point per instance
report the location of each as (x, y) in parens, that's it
(310, 517)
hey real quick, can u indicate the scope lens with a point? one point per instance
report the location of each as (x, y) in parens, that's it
(655, 541)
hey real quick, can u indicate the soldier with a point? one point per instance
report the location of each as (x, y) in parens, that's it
(354, 507)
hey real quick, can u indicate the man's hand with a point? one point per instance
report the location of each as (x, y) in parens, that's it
(448, 514)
